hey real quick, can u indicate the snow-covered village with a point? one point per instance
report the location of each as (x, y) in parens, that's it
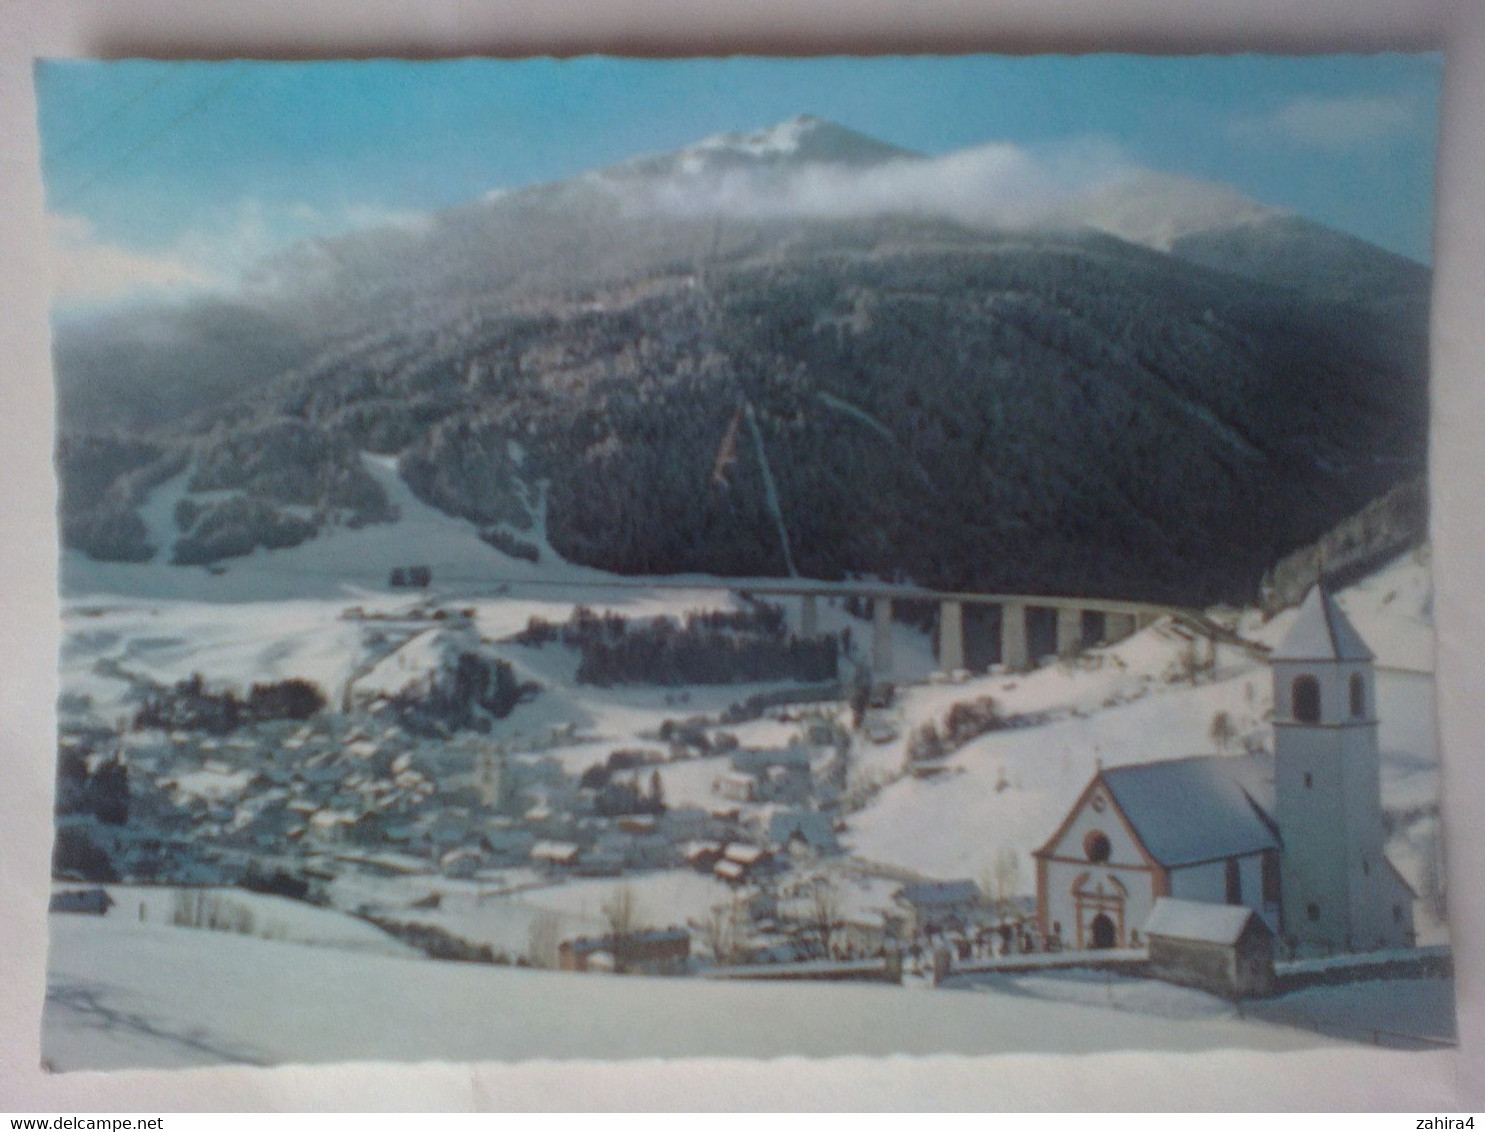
(428, 774)
(790, 594)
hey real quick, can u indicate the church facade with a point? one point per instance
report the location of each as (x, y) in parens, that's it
(1295, 836)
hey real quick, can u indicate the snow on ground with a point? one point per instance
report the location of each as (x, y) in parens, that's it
(125, 994)
(1011, 788)
(1369, 1011)
(1121, 705)
(502, 918)
(339, 562)
(105, 641)
(1116, 705)
(1393, 611)
(1421, 1009)
(271, 617)
(212, 785)
(1102, 988)
(260, 914)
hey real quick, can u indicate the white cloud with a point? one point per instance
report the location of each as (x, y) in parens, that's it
(1335, 123)
(87, 270)
(988, 184)
(215, 254)
(377, 216)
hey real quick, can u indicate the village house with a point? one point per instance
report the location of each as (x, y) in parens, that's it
(735, 786)
(742, 862)
(687, 823)
(555, 855)
(936, 907)
(659, 952)
(600, 861)
(802, 833)
(782, 776)
(702, 855)
(507, 845)
(89, 901)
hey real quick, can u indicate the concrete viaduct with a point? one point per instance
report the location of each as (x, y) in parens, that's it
(1120, 618)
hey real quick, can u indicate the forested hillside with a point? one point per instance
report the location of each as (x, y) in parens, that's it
(913, 398)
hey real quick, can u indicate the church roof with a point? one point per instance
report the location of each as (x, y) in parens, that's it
(1198, 809)
(1205, 923)
(1321, 632)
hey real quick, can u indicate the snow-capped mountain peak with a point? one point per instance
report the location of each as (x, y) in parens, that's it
(801, 140)
(784, 138)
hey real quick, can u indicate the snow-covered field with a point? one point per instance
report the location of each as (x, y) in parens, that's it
(252, 914)
(1125, 705)
(130, 989)
(124, 994)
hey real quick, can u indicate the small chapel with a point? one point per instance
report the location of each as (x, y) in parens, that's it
(1296, 836)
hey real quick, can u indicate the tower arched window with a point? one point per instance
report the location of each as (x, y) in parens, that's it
(1358, 696)
(1305, 696)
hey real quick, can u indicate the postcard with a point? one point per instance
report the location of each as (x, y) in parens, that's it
(609, 559)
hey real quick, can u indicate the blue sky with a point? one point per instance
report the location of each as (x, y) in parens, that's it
(163, 174)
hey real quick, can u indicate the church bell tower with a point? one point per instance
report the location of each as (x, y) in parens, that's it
(1339, 892)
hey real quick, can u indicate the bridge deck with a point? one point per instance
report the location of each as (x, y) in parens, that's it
(798, 587)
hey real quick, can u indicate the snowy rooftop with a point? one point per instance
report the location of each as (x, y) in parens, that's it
(1205, 923)
(1321, 632)
(811, 825)
(1198, 809)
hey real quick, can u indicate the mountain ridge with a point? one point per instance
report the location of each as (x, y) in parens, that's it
(918, 392)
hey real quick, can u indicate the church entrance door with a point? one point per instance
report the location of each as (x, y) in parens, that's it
(1101, 934)
(1099, 899)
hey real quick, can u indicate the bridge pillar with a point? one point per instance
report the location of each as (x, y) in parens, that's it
(881, 636)
(1069, 631)
(1117, 626)
(950, 637)
(809, 619)
(1013, 636)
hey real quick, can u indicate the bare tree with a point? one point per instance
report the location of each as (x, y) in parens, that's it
(1000, 880)
(621, 910)
(1223, 731)
(721, 930)
(824, 921)
(543, 939)
(1188, 663)
(1431, 880)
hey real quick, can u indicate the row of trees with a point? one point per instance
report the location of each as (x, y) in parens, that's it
(235, 528)
(467, 695)
(662, 653)
(103, 479)
(102, 790)
(191, 706)
(618, 797)
(707, 647)
(965, 721)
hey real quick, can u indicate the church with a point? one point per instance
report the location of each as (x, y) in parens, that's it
(1297, 835)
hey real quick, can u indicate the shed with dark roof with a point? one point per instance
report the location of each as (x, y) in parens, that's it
(1224, 949)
